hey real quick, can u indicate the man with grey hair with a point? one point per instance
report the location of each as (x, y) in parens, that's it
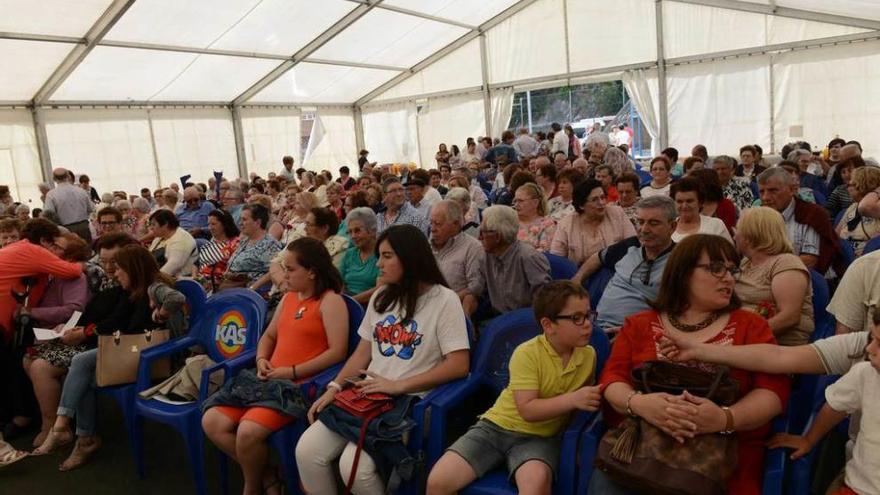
(637, 263)
(44, 188)
(597, 144)
(809, 169)
(808, 225)
(459, 256)
(71, 204)
(513, 271)
(525, 145)
(193, 213)
(232, 200)
(736, 189)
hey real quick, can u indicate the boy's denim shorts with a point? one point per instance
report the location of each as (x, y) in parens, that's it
(487, 446)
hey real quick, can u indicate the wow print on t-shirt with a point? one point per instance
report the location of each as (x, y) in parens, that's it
(395, 337)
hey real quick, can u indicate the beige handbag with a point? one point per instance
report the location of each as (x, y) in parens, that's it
(119, 355)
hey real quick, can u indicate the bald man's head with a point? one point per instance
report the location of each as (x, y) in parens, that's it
(849, 151)
(60, 174)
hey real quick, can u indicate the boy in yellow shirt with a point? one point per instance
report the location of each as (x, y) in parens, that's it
(550, 377)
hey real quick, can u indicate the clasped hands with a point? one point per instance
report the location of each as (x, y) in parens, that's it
(682, 416)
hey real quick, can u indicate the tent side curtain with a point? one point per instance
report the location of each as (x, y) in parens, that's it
(449, 120)
(502, 108)
(643, 89)
(19, 158)
(332, 142)
(391, 134)
(269, 135)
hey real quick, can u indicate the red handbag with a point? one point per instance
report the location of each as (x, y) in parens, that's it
(367, 407)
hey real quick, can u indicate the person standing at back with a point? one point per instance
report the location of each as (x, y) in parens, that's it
(70, 203)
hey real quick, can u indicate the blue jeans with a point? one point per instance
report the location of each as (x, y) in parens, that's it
(601, 484)
(78, 395)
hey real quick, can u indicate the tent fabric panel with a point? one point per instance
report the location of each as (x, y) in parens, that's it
(113, 147)
(53, 17)
(828, 92)
(19, 158)
(121, 74)
(215, 78)
(625, 33)
(27, 66)
(391, 133)
(322, 83)
(528, 44)
(194, 141)
(449, 120)
(459, 69)
(694, 29)
(721, 105)
(863, 9)
(270, 134)
(786, 29)
(474, 12)
(389, 38)
(337, 147)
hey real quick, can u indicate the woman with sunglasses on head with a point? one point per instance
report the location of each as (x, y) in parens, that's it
(697, 303)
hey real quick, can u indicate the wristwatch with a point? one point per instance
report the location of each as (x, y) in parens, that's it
(334, 386)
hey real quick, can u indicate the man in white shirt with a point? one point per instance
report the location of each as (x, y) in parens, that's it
(525, 145)
(621, 136)
(287, 171)
(560, 140)
(71, 204)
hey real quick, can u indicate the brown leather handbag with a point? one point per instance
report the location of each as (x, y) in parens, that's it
(642, 458)
(119, 355)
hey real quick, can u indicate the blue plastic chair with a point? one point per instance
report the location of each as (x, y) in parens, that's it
(195, 298)
(561, 268)
(871, 246)
(233, 323)
(838, 217)
(756, 193)
(596, 284)
(801, 475)
(489, 369)
(847, 253)
(820, 197)
(644, 176)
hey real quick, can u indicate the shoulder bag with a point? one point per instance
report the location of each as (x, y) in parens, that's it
(119, 355)
(367, 407)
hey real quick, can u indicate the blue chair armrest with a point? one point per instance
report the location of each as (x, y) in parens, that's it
(149, 356)
(589, 446)
(568, 468)
(238, 363)
(774, 462)
(438, 403)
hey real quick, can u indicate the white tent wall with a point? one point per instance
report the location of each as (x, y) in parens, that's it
(502, 108)
(113, 147)
(391, 133)
(609, 34)
(193, 142)
(270, 134)
(337, 146)
(449, 120)
(19, 157)
(829, 92)
(529, 44)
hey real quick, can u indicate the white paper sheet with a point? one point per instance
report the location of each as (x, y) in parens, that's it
(45, 334)
(72, 321)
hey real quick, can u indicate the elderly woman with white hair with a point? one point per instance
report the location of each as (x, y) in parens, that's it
(597, 145)
(23, 212)
(140, 211)
(617, 160)
(128, 220)
(471, 222)
(359, 267)
(513, 270)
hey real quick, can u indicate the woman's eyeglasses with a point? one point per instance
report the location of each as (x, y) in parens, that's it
(578, 318)
(719, 269)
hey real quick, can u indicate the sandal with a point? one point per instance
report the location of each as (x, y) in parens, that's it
(81, 454)
(8, 455)
(57, 438)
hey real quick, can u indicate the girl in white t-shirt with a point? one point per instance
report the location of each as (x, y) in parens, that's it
(856, 391)
(413, 338)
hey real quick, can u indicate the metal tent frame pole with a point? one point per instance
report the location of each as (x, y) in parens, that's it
(42, 145)
(238, 132)
(487, 98)
(661, 76)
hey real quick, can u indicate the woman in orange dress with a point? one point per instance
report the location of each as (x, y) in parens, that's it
(307, 334)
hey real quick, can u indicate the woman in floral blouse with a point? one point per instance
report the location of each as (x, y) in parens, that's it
(535, 227)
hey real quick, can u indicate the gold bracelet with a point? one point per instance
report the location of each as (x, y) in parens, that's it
(629, 403)
(729, 426)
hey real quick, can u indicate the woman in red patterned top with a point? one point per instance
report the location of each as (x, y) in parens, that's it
(697, 302)
(214, 255)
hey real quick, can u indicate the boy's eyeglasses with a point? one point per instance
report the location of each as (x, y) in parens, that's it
(578, 318)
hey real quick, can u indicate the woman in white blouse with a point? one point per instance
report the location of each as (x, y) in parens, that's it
(688, 196)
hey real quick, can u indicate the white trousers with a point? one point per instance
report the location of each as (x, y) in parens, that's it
(316, 455)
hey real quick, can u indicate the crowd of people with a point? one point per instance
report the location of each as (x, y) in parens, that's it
(709, 262)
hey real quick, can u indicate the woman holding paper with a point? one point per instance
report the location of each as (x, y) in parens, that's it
(146, 301)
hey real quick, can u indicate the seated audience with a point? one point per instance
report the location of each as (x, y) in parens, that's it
(535, 227)
(214, 255)
(413, 338)
(714, 203)
(773, 282)
(593, 227)
(839, 199)
(459, 256)
(415, 191)
(551, 377)
(397, 210)
(174, 248)
(749, 167)
(354, 199)
(856, 227)
(805, 193)
(692, 164)
(193, 213)
(688, 196)
(697, 303)
(335, 202)
(471, 225)
(232, 200)
(809, 229)
(616, 159)
(322, 224)
(308, 334)
(803, 161)
(10, 231)
(358, 265)
(145, 287)
(661, 177)
(140, 216)
(736, 189)
(628, 185)
(513, 270)
(545, 177)
(561, 204)
(255, 250)
(605, 177)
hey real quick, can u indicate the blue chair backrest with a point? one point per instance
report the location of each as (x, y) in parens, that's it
(847, 253)
(644, 176)
(195, 299)
(872, 245)
(561, 268)
(821, 200)
(595, 285)
(838, 217)
(497, 341)
(233, 322)
(355, 316)
(754, 187)
(824, 323)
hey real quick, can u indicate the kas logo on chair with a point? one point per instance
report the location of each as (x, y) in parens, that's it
(231, 334)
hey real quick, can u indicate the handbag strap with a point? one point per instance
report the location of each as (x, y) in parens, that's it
(360, 447)
(718, 377)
